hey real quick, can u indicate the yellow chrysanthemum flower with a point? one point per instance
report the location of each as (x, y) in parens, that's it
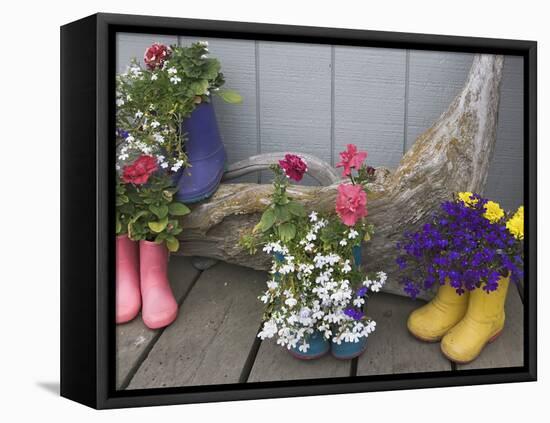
(519, 212)
(493, 212)
(515, 224)
(465, 198)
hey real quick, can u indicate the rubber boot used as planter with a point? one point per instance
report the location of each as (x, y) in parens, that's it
(318, 347)
(159, 305)
(482, 324)
(432, 321)
(206, 156)
(128, 297)
(348, 350)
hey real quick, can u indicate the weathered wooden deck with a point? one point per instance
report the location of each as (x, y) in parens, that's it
(214, 341)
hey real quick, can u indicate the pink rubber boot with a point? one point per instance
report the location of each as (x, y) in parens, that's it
(128, 297)
(159, 305)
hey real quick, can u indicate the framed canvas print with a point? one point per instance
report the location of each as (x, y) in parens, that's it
(254, 211)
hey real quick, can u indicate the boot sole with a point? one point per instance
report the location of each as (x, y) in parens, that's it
(491, 340)
(429, 341)
(308, 357)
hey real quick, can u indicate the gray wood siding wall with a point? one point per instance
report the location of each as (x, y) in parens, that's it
(318, 98)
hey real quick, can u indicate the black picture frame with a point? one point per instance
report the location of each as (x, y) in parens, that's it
(87, 210)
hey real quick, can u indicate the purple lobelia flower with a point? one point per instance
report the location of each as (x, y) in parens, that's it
(459, 246)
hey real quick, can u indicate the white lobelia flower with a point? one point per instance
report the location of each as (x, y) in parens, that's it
(154, 77)
(119, 102)
(353, 234)
(272, 284)
(343, 242)
(158, 138)
(155, 124)
(346, 268)
(175, 79)
(291, 302)
(358, 302)
(309, 247)
(164, 165)
(172, 71)
(310, 236)
(269, 330)
(138, 114)
(313, 216)
(304, 347)
(176, 166)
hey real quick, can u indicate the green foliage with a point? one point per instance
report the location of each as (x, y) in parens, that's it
(151, 106)
(167, 96)
(283, 216)
(151, 211)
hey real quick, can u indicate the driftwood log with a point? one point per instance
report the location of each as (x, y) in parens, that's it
(453, 155)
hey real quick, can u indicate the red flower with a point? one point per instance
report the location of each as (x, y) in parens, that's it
(155, 56)
(294, 166)
(138, 172)
(351, 159)
(351, 203)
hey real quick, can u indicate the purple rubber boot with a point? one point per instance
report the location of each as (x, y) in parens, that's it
(206, 155)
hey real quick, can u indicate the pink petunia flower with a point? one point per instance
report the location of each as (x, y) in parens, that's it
(351, 203)
(351, 159)
(294, 166)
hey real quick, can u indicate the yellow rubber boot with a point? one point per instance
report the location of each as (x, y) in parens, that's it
(481, 325)
(433, 320)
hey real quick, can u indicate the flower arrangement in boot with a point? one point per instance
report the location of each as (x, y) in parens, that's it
(317, 294)
(469, 249)
(152, 103)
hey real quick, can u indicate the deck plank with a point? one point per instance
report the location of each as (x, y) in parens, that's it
(211, 341)
(391, 349)
(507, 350)
(133, 338)
(274, 363)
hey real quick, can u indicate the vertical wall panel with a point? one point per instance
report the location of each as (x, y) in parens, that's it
(369, 102)
(295, 98)
(435, 78)
(237, 121)
(133, 45)
(505, 180)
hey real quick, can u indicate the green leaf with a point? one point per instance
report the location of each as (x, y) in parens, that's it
(160, 238)
(158, 226)
(172, 243)
(297, 209)
(199, 87)
(138, 215)
(287, 231)
(160, 211)
(178, 209)
(118, 226)
(282, 213)
(267, 220)
(230, 96)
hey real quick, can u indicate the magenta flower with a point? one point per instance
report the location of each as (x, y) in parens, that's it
(294, 166)
(351, 203)
(351, 159)
(156, 55)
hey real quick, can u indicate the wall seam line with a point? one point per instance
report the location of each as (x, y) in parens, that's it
(406, 102)
(332, 103)
(258, 120)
